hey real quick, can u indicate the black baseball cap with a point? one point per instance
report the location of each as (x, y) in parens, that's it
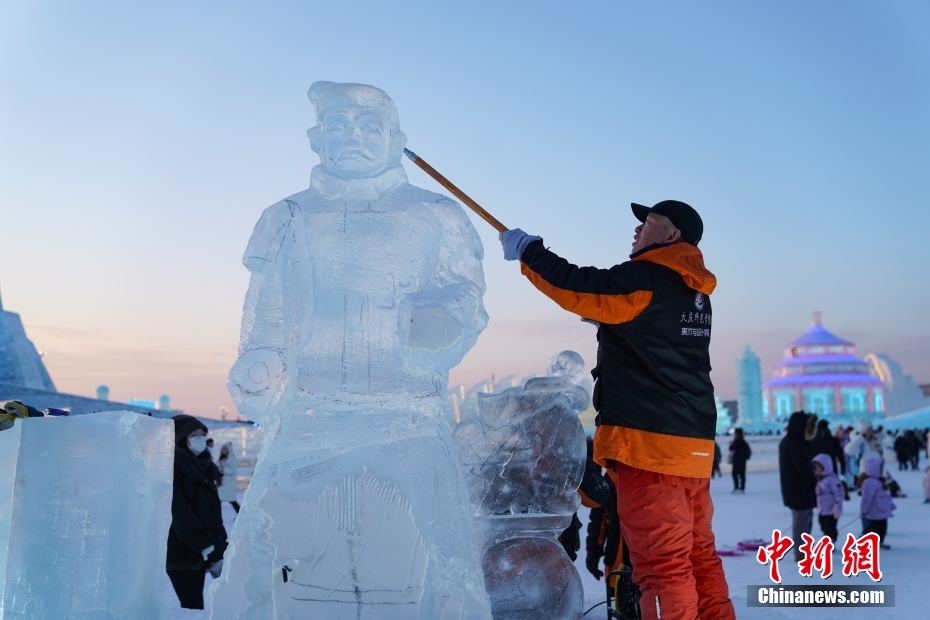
(682, 216)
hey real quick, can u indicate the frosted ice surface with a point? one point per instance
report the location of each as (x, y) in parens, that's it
(85, 507)
(525, 451)
(524, 456)
(9, 454)
(364, 292)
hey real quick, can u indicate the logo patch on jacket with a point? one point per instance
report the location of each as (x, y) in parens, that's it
(699, 302)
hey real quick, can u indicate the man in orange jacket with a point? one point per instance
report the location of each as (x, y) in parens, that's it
(655, 401)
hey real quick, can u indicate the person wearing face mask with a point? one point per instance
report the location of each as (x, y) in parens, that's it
(197, 538)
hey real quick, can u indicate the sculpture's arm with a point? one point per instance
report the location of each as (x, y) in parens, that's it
(448, 314)
(257, 378)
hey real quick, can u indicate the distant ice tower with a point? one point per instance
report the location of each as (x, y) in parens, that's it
(723, 416)
(749, 385)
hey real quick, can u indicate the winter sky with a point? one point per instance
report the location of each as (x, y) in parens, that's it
(140, 141)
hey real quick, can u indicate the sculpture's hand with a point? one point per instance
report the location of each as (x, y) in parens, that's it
(433, 329)
(256, 380)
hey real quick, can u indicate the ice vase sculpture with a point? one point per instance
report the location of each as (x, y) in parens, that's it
(524, 457)
(364, 292)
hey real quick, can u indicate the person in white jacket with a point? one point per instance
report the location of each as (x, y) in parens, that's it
(863, 444)
(887, 441)
(229, 467)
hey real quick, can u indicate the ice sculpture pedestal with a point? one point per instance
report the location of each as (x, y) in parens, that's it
(516, 551)
(85, 507)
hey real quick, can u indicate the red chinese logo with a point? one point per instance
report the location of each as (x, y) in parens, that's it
(816, 557)
(771, 554)
(861, 556)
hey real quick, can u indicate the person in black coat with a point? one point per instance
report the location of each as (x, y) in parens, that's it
(715, 470)
(825, 443)
(798, 482)
(197, 538)
(901, 451)
(913, 449)
(740, 452)
(593, 491)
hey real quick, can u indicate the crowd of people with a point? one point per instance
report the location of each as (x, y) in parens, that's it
(907, 447)
(820, 470)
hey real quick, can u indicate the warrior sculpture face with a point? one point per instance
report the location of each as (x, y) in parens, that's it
(354, 141)
(357, 133)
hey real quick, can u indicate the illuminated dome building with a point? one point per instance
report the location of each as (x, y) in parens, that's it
(821, 374)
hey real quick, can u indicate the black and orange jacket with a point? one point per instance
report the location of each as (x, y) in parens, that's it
(652, 391)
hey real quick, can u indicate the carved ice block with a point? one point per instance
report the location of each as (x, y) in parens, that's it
(85, 506)
(523, 455)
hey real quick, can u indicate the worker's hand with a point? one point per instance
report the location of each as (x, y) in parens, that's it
(206, 552)
(514, 242)
(837, 512)
(591, 563)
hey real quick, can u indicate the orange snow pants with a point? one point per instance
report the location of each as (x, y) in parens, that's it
(666, 523)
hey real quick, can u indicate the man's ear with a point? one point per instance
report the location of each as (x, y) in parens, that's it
(316, 140)
(674, 236)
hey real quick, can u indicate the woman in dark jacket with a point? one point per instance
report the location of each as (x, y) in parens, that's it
(197, 538)
(798, 482)
(825, 443)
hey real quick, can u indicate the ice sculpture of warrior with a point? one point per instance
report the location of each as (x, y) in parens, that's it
(364, 292)
(524, 457)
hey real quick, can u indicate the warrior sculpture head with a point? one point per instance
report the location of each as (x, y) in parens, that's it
(357, 132)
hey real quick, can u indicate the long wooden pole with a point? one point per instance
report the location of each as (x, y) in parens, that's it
(487, 217)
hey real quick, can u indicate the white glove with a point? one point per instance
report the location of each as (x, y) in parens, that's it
(206, 552)
(514, 242)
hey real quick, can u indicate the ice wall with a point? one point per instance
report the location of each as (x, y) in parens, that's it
(364, 292)
(523, 457)
(85, 506)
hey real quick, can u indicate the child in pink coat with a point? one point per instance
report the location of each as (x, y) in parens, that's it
(830, 494)
(877, 504)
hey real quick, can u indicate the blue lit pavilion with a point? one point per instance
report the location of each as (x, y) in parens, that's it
(820, 373)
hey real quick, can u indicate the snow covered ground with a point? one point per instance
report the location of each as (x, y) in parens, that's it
(754, 515)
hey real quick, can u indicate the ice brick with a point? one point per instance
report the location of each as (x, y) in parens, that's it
(89, 516)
